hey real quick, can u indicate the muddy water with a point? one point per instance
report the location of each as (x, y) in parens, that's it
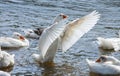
(16, 15)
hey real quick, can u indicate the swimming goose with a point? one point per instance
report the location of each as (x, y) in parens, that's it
(52, 39)
(14, 42)
(105, 65)
(30, 33)
(109, 43)
(6, 60)
(35, 33)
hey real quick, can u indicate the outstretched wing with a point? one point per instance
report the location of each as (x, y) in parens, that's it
(77, 29)
(49, 35)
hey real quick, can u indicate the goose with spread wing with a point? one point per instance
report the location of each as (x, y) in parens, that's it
(63, 38)
(48, 42)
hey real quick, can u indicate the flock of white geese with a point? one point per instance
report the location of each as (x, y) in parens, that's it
(62, 35)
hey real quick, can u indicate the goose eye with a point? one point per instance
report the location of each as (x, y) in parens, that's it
(17, 35)
(38, 28)
(103, 59)
(60, 14)
(63, 16)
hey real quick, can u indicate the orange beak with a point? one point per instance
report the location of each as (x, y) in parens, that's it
(98, 60)
(64, 16)
(21, 38)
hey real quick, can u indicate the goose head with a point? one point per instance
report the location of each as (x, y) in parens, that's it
(33, 33)
(39, 31)
(30, 33)
(59, 17)
(108, 59)
(20, 37)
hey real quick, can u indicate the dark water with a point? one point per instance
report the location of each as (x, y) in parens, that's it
(16, 15)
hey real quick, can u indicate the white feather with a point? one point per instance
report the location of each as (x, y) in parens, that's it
(12, 42)
(77, 29)
(50, 54)
(103, 68)
(6, 59)
(49, 35)
(107, 65)
(2, 73)
(109, 43)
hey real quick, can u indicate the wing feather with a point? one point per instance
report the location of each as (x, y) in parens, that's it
(77, 28)
(51, 51)
(49, 35)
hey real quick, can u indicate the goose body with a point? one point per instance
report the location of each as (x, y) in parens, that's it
(105, 65)
(6, 59)
(2, 73)
(49, 56)
(67, 34)
(109, 43)
(14, 42)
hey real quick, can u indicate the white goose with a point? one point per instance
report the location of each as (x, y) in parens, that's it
(2, 73)
(38, 31)
(109, 43)
(105, 65)
(56, 37)
(48, 42)
(30, 33)
(14, 42)
(6, 59)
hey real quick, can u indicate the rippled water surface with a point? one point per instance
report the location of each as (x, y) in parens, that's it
(16, 15)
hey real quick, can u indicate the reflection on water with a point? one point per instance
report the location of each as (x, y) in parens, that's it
(106, 51)
(7, 69)
(59, 71)
(16, 15)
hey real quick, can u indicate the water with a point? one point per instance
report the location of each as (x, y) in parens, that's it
(16, 15)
